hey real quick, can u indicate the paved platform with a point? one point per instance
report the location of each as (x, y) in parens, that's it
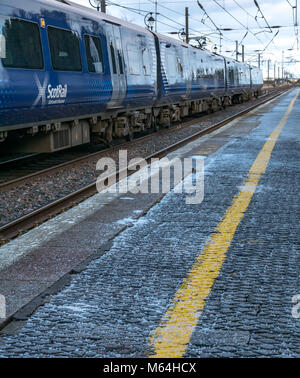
(214, 279)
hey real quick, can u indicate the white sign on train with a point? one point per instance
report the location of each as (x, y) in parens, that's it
(160, 176)
(57, 92)
(48, 94)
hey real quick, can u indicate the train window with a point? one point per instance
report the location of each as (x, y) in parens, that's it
(231, 74)
(65, 50)
(200, 72)
(171, 63)
(113, 57)
(179, 65)
(119, 55)
(94, 56)
(146, 56)
(220, 74)
(193, 63)
(20, 44)
(134, 56)
(120, 60)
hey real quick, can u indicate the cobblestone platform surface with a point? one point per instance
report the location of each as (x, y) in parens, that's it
(112, 308)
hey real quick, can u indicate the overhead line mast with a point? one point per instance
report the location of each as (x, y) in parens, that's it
(187, 25)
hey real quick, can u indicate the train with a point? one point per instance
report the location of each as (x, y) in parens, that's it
(70, 75)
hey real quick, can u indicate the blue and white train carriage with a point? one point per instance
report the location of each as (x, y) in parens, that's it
(68, 72)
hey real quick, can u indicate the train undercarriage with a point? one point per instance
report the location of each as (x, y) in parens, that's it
(107, 126)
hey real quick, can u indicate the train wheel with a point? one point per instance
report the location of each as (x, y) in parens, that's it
(155, 124)
(130, 137)
(108, 136)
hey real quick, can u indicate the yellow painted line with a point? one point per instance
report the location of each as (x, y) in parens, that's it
(173, 335)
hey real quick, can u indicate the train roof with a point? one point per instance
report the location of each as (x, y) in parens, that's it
(178, 42)
(103, 16)
(66, 6)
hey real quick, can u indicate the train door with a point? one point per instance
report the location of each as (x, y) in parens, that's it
(225, 74)
(116, 62)
(187, 69)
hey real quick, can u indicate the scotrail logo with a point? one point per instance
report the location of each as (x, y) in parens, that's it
(57, 94)
(48, 95)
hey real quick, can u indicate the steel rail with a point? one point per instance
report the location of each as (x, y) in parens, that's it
(36, 217)
(56, 167)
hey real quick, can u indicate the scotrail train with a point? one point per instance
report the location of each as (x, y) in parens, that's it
(68, 73)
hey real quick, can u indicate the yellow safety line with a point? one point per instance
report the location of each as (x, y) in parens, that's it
(173, 335)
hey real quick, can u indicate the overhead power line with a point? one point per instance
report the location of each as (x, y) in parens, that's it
(262, 15)
(244, 26)
(275, 35)
(254, 18)
(135, 10)
(295, 20)
(171, 10)
(191, 18)
(207, 15)
(142, 12)
(173, 24)
(243, 8)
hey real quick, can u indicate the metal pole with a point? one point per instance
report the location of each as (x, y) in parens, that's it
(282, 64)
(296, 24)
(103, 6)
(258, 60)
(155, 16)
(186, 24)
(243, 53)
(274, 71)
(220, 46)
(236, 50)
(268, 69)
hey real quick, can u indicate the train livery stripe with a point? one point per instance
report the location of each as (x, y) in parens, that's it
(173, 335)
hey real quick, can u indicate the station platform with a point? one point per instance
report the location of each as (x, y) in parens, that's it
(163, 278)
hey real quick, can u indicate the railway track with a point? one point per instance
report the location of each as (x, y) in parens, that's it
(12, 159)
(15, 169)
(18, 169)
(30, 220)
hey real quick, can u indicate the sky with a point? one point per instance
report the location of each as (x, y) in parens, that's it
(251, 22)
